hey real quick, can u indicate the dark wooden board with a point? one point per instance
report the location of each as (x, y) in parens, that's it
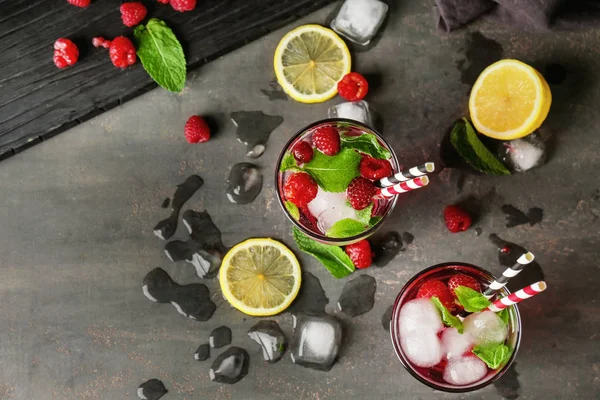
(37, 100)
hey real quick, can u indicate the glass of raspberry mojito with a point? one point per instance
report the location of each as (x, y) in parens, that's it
(327, 177)
(445, 336)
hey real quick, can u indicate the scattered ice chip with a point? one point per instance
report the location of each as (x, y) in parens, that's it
(454, 344)
(419, 315)
(220, 337)
(422, 347)
(329, 208)
(486, 328)
(464, 370)
(271, 339)
(316, 341)
(357, 111)
(359, 20)
(524, 154)
(151, 390)
(231, 366)
(202, 353)
(244, 183)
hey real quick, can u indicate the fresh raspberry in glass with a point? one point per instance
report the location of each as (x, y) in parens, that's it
(303, 152)
(327, 140)
(437, 289)
(353, 87)
(375, 169)
(300, 188)
(360, 193)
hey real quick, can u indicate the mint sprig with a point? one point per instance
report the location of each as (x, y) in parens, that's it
(504, 316)
(288, 162)
(334, 173)
(366, 143)
(364, 215)
(333, 258)
(161, 54)
(447, 318)
(471, 300)
(346, 227)
(293, 210)
(374, 221)
(494, 355)
(469, 147)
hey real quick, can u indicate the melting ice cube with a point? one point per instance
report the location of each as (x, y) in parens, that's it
(485, 328)
(419, 315)
(271, 339)
(524, 154)
(230, 367)
(422, 347)
(244, 183)
(359, 20)
(464, 370)
(316, 341)
(330, 208)
(357, 111)
(455, 344)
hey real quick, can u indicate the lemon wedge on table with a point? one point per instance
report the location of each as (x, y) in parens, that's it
(509, 100)
(260, 277)
(309, 62)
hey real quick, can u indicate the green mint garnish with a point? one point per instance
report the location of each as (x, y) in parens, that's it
(293, 210)
(469, 147)
(334, 173)
(447, 317)
(344, 228)
(471, 300)
(494, 355)
(161, 54)
(364, 215)
(333, 258)
(366, 143)
(374, 221)
(288, 162)
(504, 316)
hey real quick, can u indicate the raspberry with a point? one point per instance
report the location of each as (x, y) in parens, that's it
(375, 169)
(457, 219)
(101, 42)
(132, 13)
(353, 87)
(66, 53)
(79, 3)
(303, 152)
(462, 280)
(163, 1)
(196, 130)
(360, 253)
(300, 189)
(327, 139)
(183, 5)
(360, 193)
(437, 289)
(122, 52)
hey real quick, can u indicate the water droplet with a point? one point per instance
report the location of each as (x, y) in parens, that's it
(244, 183)
(254, 129)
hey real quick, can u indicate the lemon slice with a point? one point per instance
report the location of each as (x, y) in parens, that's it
(260, 277)
(509, 100)
(309, 62)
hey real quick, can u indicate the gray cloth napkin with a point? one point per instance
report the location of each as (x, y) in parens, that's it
(521, 14)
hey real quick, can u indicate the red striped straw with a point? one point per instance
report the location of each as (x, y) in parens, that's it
(518, 296)
(407, 175)
(404, 187)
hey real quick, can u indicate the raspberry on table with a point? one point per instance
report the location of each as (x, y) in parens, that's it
(183, 5)
(196, 130)
(457, 219)
(437, 289)
(99, 41)
(79, 3)
(300, 188)
(360, 193)
(122, 52)
(163, 1)
(353, 87)
(360, 253)
(303, 152)
(133, 13)
(66, 53)
(463, 280)
(375, 169)
(327, 140)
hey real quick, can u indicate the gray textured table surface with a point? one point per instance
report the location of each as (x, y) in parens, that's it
(76, 218)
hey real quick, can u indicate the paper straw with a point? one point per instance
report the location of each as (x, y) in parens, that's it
(404, 176)
(518, 296)
(403, 187)
(509, 273)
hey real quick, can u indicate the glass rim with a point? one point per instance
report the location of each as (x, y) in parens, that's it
(400, 353)
(322, 237)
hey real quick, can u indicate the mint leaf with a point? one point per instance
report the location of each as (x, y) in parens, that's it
(364, 215)
(469, 147)
(161, 54)
(366, 143)
(288, 162)
(374, 221)
(447, 317)
(333, 258)
(346, 227)
(293, 210)
(504, 315)
(334, 173)
(494, 355)
(471, 300)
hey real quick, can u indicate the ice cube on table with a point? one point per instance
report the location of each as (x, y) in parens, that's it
(329, 208)
(419, 315)
(422, 347)
(271, 339)
(486, 328)
(316, 341)
(230, 366)
(354, 110)
(524, 154)
(359, 20)
(464, 370)
(455, 344)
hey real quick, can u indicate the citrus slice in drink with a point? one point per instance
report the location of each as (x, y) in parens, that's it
(309, 61)
(260, 277)
(509, 100)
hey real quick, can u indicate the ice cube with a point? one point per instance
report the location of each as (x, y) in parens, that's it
(485, 328)
(455, 344)
(316, 341)
(329, 208)
(271, 339)
(422, 347)
(230, 366)
(359, 20)
(419, 315)
(464, 370)
(151, 390)
(524, 154)
(357, 111)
